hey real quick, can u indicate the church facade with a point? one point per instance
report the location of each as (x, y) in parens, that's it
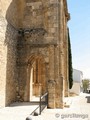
(33, 51)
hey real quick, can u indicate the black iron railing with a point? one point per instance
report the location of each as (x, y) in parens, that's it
(43, 102)
(35, 112)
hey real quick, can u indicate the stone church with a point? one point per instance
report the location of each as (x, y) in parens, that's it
(33, 51)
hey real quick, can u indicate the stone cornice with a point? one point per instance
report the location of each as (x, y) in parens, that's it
(66, 10)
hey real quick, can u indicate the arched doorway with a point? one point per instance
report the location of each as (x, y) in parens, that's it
(36, 78)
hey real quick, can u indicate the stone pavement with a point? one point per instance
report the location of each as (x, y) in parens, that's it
(18, 111)
(79, 110)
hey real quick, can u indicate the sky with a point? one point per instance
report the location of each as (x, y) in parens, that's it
(79, 27)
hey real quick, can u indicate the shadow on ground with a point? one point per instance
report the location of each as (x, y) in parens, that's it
(17, 104)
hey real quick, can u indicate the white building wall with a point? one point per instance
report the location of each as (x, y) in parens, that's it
(77, 80)
(76, 88)
(77, 75)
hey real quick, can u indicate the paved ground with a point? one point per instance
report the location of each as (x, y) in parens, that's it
(79, 110)
(17, 111)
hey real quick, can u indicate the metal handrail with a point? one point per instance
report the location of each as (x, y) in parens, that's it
(44, 95)
(42, 104)
(45, 102)
(34, 111)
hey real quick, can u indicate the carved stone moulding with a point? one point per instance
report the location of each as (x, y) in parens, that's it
(25, 32)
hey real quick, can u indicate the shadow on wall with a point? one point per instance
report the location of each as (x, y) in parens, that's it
(10, 43)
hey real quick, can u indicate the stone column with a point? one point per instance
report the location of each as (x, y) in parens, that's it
(38, 88)
(61, 53)
(47, 74)
(51, 81)
(43, 77)
(66, 56)
(57, 78)
(40, 79)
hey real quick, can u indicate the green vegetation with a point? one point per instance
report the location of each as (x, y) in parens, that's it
(70, 69)
(85, 84)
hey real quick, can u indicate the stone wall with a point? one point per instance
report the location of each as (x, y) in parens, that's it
(7, 62)
(35, 30)
(3, 60)
(11, 71)
(33, 14)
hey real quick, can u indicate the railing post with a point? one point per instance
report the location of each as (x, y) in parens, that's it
(47, 99)
(40, 106)
(43, 103)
